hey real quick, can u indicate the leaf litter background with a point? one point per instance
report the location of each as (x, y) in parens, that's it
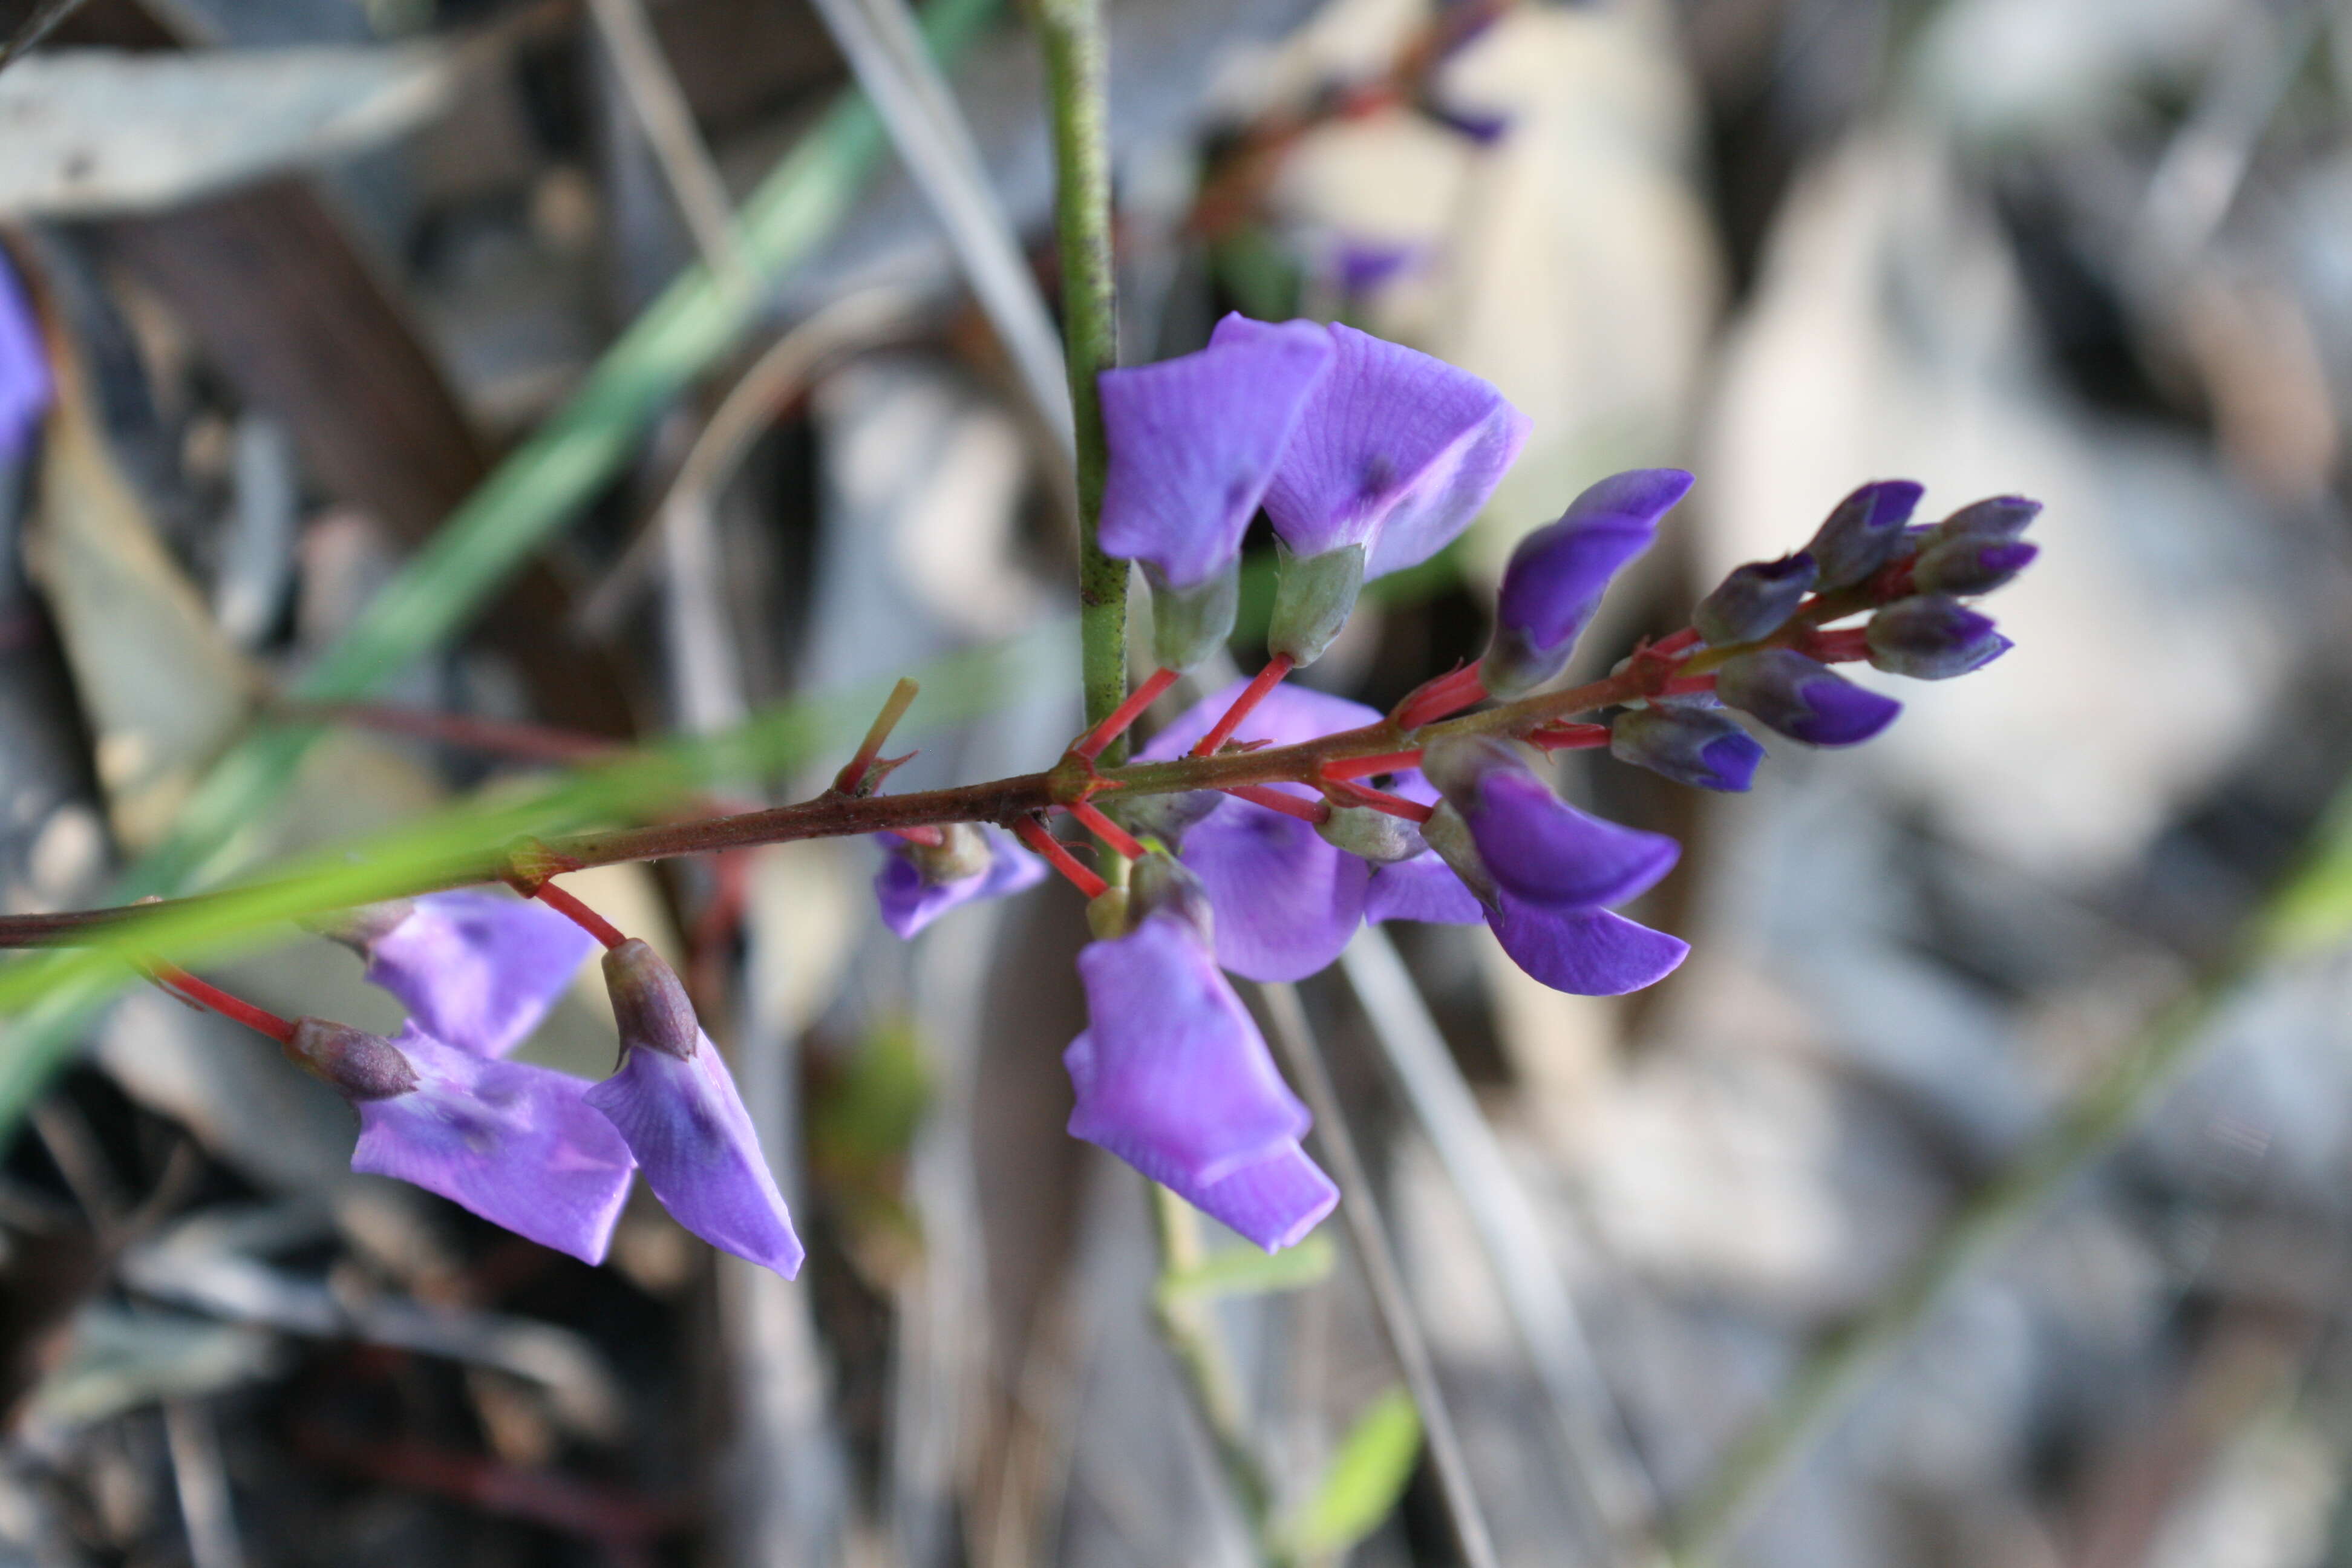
(308, 267)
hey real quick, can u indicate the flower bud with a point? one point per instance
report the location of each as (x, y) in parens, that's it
(360, 929)
(1692, 745)
(1189, 625)
(1313, 600)
(360, 1065)
(1862, 532)
(1969, 564)
(649, 1002)
(1557, 573)
(1167, 817)
(1368, 834)
(1803, 699)
(1163, 884)
(1535, 847)
(1932, 639)
(1754, 600)
(1995, 517)
(963, 850)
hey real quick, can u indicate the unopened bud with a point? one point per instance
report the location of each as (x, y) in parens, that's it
(1995, 517)
(1190, 625)
(1161, 884)
(360, 1065)
(962, 851)
(1167, 817)
(1557, 573)
(1701, 746)
(1862, 532)
(1373, 836)
(1803, 699)
(1932, 639)
(1971, 565)
(360, 929)
(649, 1002)
(1313, 601)
(1756, 599)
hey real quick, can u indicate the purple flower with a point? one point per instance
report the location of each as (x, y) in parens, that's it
(1195, 440)
(1803, 699)
(1173, 1075)
(1585, 952)
(476, 971)
(24, 384)
(1557, 573)
(675, 1105)
(515, 1143)
(1687, 743)
(919, 883)
(1754, 600)
(1863, 532)
(1395, 452)
(1929, 638)
(1535, 846)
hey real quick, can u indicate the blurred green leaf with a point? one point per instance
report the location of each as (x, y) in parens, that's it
(530, 494)
(1258, 273)
(1365, 1478)
(2313, 907)
(1244, 1271)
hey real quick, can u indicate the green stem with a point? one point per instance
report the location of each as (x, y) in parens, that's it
(1187, 1323)
(1072, 34)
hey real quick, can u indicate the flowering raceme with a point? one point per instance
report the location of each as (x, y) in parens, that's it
(1262, 827)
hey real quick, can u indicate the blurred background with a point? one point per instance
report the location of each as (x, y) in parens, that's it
(1979, 1192)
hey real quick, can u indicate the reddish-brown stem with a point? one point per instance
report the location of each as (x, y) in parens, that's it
(1836, 647)
(1365, 767)
(1354, 793)
(1683, 685)
(1122, 718)
(1315, 811)
(210, 996)
(1686, 637)
(1253, 694)
(878, 734)
(1090, 816)
(1567, 737)
(1031, 832)
(579, 914)
(1442, 698)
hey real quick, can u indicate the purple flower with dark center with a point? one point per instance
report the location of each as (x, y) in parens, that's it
(477, 971)
(1557, 573)
(675, 1105)
(1173, 1075)
(1395, 452)
(1863, 532)
(1535, 846)
(1754, 600)
(1932, 639)
(919, 883)
(24, 384)
(1195, 440)
(1687, 743)
(1803, 698)
(517, 1145)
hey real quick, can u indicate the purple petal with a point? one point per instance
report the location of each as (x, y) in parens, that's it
(24, 384)
(1287, 901)
(1546, 851)
(1396, 451)
(515, 1143)
(1422, 888)
(1194, 442)
(1585, 952)
(908, 902)
(1556, 575)
(687, 1127)
(478, 971)
(1172, 1075)
(1289, 714)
